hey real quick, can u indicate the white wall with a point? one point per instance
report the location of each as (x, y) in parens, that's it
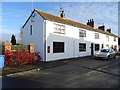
(37, 37)
(71, 39)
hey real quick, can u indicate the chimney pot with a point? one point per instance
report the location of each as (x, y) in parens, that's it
(102, 27)
(62, 14)
(90, 20)
(109, 30)
(91, 23)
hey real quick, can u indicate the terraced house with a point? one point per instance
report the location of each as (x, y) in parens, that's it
(56, 37)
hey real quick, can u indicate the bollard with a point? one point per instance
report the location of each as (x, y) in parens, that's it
(2, 61)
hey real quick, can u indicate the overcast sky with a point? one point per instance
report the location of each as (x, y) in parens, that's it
(14, 14)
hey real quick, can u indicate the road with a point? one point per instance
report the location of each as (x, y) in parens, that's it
(78, 73)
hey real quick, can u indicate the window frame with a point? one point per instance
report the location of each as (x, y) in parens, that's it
(82, 33)
(31, 29)
(97, 36)
(107, 36)
(59, 28)
(56, 47)
(82, 47)
(115, 39)
(97, 47)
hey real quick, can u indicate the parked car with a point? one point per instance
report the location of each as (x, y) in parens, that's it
(106, 54)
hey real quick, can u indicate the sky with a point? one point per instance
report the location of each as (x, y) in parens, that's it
(14, 14)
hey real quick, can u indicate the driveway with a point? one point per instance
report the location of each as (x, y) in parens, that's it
(84, 72)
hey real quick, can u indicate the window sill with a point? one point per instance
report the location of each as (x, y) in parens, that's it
(58, 32)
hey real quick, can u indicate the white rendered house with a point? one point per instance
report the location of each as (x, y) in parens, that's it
(60, 38)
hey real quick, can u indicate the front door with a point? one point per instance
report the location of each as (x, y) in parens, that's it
(92, 50)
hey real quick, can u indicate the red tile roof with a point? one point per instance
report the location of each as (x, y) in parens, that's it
(58, 19)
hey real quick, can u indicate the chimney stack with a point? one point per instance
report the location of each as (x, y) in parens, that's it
(62, 14)
(91, 23)
(102, 27)
(109, 30)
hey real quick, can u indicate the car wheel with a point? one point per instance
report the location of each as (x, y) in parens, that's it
(109, 57)
(114, 57)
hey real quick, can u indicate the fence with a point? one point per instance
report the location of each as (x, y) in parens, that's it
(13, 48)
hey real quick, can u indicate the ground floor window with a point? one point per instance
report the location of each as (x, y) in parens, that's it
(58, 47)
(82, 47)
(97, 47)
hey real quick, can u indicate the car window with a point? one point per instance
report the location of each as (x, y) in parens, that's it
(110, 51)
(105, 50)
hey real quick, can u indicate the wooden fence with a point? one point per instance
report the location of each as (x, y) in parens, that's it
(13, 48)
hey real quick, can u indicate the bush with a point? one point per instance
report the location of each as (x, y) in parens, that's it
(21, 57)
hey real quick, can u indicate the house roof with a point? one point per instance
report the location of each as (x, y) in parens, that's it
(58, 19)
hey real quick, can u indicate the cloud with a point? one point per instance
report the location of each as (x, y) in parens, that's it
(6, 34)
(101, 12)
(4, 31)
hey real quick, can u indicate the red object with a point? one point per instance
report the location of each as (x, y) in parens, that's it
(20, 57)
(48, 49)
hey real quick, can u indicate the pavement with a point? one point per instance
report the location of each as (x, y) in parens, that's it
(44, 65)
(85, 72)
(7, 71)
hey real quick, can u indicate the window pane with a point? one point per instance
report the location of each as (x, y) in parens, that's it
(82, 33)
(97, 47)
(58, 47)
(82, 47)
(59, 28)
(31, 30)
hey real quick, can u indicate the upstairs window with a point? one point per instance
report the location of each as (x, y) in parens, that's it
(96, 36)
(82, 33)
(59, 28)
(107, 37)
(82, 47)
(115, 39)
(30, 29)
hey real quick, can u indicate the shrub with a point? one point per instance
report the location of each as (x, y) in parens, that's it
(21, 57)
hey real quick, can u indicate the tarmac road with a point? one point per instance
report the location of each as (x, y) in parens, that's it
(77, 73)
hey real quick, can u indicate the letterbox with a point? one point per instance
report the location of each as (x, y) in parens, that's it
(48, 49)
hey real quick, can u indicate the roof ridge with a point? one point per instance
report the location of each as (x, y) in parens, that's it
(81, 25)
(48, 13)
(63, 18)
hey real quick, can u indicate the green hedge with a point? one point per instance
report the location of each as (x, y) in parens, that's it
(21, 47)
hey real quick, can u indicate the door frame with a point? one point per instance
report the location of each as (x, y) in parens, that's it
(92, 49)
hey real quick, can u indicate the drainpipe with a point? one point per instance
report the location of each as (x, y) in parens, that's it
(44, 41)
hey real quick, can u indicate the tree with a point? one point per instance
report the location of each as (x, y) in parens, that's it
(13, 40)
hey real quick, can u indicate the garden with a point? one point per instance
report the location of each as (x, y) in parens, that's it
(20, 57)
